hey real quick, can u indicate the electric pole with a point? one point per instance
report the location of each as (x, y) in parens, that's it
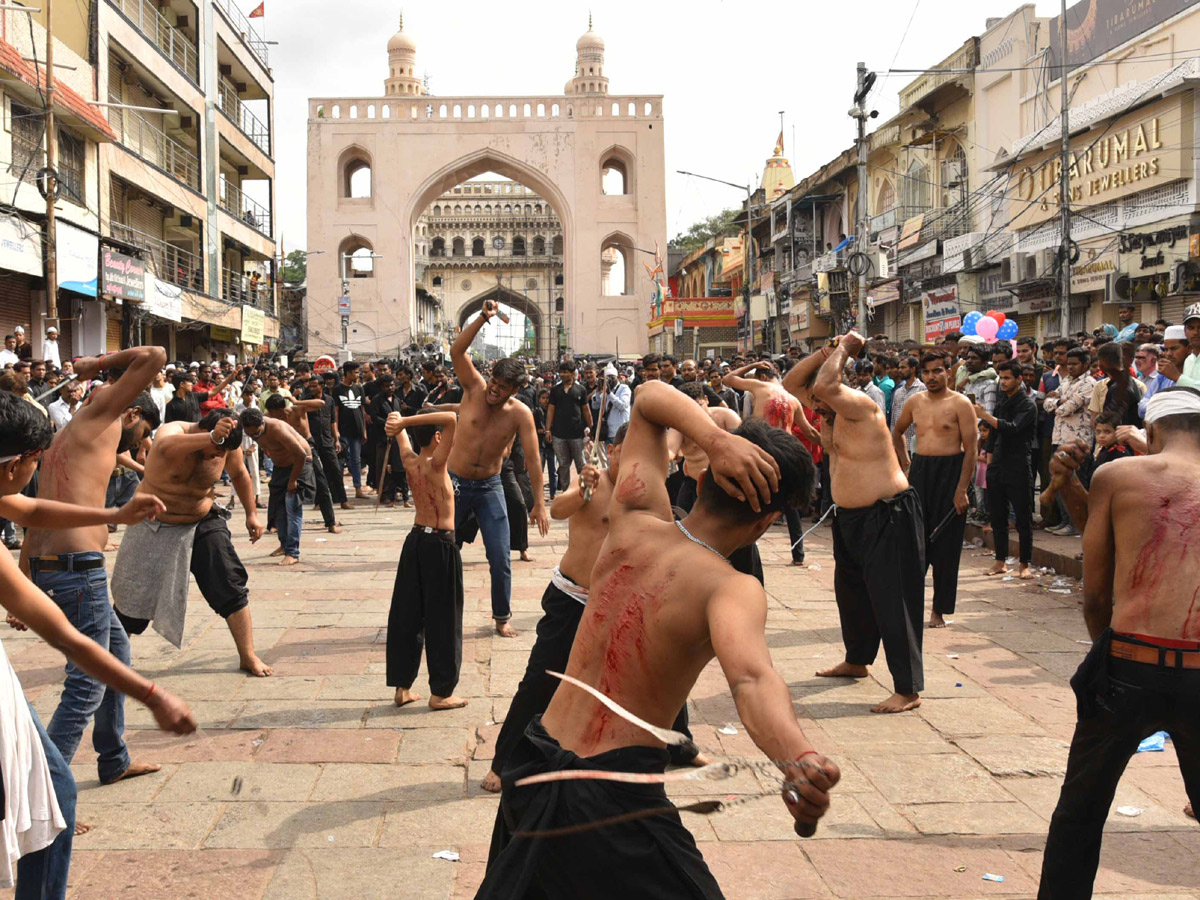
(51, 182)
(1064, 182)
(862, 236)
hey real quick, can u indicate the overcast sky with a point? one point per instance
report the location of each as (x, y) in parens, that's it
(726, 69)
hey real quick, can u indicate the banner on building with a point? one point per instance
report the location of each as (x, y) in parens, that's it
(122, 276)
(163, 299)
(1096, 26)
(1091, 272)
(20, 246)
(942, 314)
(78, 258)
(221, 333)
(252, 325)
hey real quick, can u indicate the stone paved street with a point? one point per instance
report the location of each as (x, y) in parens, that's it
(344, 796)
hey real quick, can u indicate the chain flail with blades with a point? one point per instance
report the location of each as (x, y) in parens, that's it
(718, 771)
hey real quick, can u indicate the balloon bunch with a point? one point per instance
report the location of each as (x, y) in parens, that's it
(990, 326)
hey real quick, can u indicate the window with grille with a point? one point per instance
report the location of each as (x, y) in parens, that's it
(27, 153)
(72, 161)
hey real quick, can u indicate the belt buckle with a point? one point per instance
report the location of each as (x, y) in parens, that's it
(427, 529)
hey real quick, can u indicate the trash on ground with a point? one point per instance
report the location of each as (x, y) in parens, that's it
(322, 540)
(1156, 743)
(448, 855)
(951, 656)
(727, 729)
(1011, 561)
(237, 785)
(1130, 811)
(960, 868)
(958, 684)
(1008, 578)
(1060, 590)
(988, 876)
(1089, 643)
(814, 568)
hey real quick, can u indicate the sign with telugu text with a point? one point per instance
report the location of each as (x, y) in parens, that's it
(122, 275)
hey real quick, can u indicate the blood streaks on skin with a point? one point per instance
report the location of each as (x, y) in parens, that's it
(1171, 522)
(632, 487)
(1191, 630)
(778, 413)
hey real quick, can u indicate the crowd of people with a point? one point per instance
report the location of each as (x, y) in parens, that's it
(668, 472)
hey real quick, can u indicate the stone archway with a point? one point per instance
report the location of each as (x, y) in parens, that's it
(521, 303)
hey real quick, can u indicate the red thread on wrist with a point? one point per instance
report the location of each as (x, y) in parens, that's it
(796, 761)
(149, 692)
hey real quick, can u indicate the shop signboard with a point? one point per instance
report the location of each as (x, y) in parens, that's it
(163, 299)
(122, 276)
(252, 325)
(1092, 271)
(20, 246)
(1095, 27)
(942, 313)
(78, 257)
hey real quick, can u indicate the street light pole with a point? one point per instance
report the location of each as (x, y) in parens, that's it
(1064, 182)
(862, 236)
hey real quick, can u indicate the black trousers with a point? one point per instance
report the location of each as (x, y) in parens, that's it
(370, 445)
(332, 468)
(426, 612)
(1140, 700)
(324, 496)
(795, 530)
(826, 500)
(394, 481)
(935, 479)
(1001, 492)
(514, 501)
(879, 585)
(551, 651)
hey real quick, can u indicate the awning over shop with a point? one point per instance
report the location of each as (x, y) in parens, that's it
(73, 109)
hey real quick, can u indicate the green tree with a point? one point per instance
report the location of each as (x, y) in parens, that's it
(720, 225)
(295, 267)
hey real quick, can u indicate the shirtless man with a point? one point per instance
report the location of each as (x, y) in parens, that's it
(878, 531)
(1140, 590)
(292, 478)
(563, 601)
(68, 564)
(489, 417)
(150, 579)
(427, 598)
(941, 471)
(694, 459)
(664, 602)
(779, 409)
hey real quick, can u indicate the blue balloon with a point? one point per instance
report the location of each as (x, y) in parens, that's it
(1008, 330)
(968, 325)
(972, 317)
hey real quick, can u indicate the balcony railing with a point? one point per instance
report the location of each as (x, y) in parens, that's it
(242, 288)
(242, 25)
(175, 44)
(154, 145)
(248, 123)
(171, 263)
(251, 212)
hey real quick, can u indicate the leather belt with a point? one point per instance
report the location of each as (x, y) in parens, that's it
(1155, 656)
(66, 563)
(440, 532)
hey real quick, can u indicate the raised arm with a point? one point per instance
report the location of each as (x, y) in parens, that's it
(737, 618)
(309, 406)
(447, 421)
(736, 380)
(141, 364)
(460, 356)
(797, 381)
(571, 501)
(828, 387)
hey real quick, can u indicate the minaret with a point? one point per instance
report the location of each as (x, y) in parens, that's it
(589, 66)
(402, 79)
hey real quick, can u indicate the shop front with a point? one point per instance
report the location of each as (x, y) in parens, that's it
(1156, 271)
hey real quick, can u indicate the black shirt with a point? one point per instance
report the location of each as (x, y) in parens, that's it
(1124, 402)
(1012, 437)
(349, 398)
(379, 409)
(413, 399)
(1116, 451)
(568, 406)
(320, 423)
(186, 409)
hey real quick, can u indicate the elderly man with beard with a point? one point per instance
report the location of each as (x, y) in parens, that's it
(68, 564)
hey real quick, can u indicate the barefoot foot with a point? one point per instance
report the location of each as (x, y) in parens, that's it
(334, 529)
(936, 620)
(843, 670)
(451, 702)
(505, 629)
(135, 770)
(405, 696)
(1187, 811)
(700, 760)
(1025, 573)
(491, 782)
(255, 667)
(289, 561)
(82, 828)
(525, 557)
(998, 568)
(898, 703)
(278, 551)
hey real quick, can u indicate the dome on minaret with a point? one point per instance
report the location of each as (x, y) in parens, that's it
(402, 77)
(589, 65)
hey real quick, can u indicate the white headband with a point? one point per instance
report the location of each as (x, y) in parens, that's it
(1172, 403)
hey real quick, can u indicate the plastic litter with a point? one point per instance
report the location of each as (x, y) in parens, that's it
(448, 855)
(257, 742)
(1156, 743)
(1130, 811)
(958, 684)
(1089, 643)
(951, 656)
(1011, 561)
(988, 876)
(322, 540)
(727, 729)
(814, 568)
(1008, 578)
(1060, 590)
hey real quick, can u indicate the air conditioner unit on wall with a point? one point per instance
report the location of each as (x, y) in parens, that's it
(1012, 268)
(1030, 270)
(1047, 259)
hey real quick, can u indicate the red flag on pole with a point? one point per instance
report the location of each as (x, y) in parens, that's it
(258, 11)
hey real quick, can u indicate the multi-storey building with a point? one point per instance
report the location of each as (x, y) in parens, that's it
(179, 195)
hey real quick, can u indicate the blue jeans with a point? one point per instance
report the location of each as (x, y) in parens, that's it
(293, 520)
(83, 598)
(121, 488)
(42, 875)
(354, 460)
(485, 498)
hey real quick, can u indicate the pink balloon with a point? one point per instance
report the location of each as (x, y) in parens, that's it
(986, 328)
(997, 315)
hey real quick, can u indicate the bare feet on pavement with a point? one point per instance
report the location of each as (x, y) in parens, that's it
(289, 561)
(405, 696)
(334, 529)
(998, 568)
(278, 551)
(700, 761)
(936, 620)
(505, 629)
(256, 667)
(135, 770)
(451, 702)
(82, 828)
(843, 670)
(1025, 573)
(491, 782)
(898, 703)
(1189, 812)
(525, 557)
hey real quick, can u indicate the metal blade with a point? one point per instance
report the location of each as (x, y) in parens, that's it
(54, 390)
(666, 735)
